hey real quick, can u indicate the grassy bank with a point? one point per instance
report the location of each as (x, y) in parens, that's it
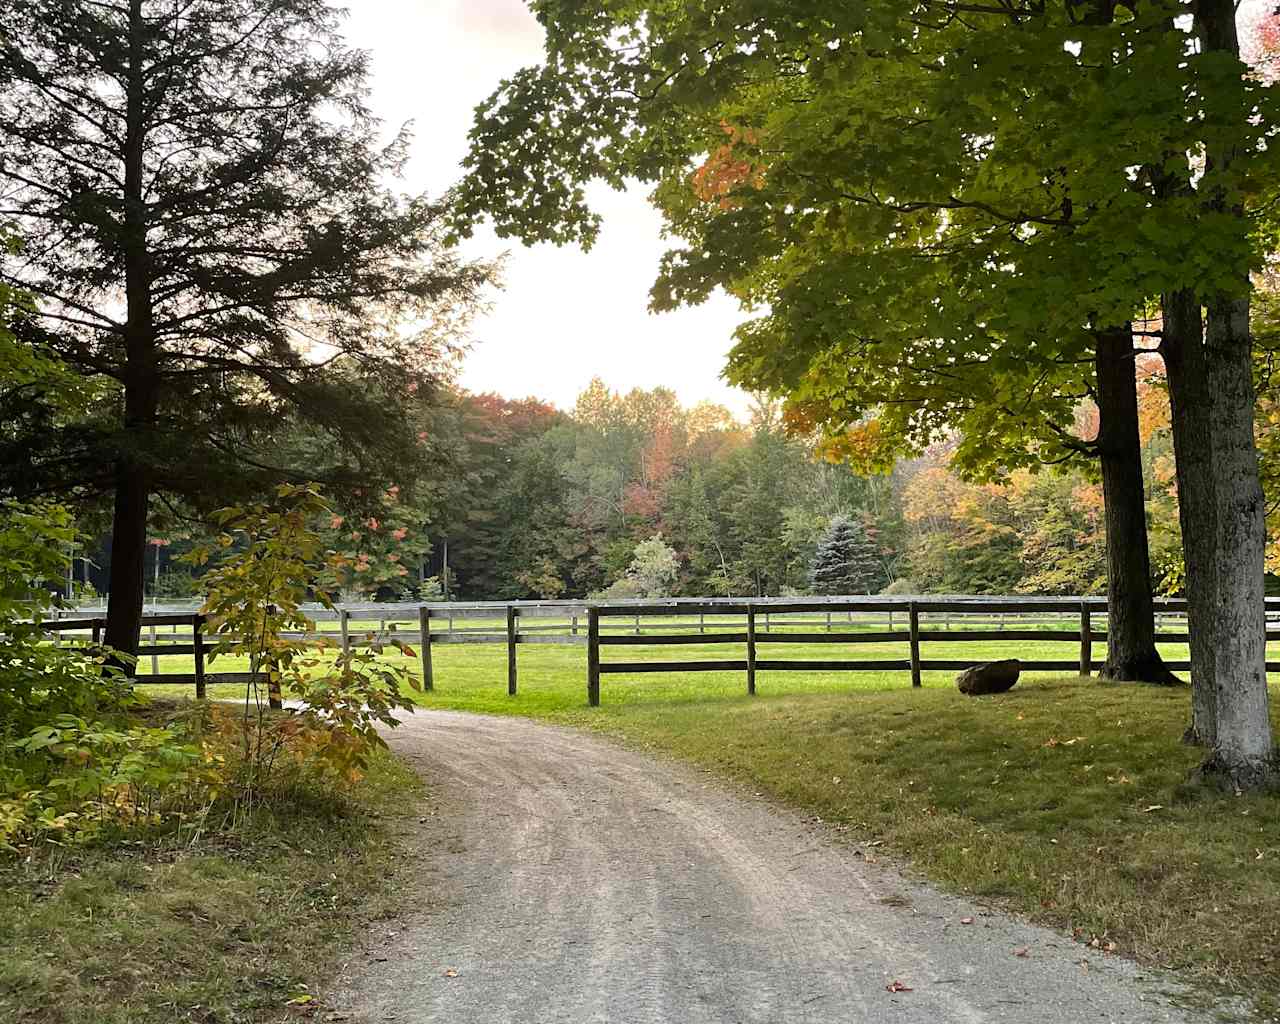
(225, 927)
(1064, 799)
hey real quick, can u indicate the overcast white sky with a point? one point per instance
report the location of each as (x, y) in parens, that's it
(563, 316)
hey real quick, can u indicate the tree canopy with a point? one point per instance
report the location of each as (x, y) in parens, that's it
(938, 191)
(206, 229)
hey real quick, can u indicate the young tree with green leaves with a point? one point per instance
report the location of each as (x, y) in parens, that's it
(654, 568)
(205, 227)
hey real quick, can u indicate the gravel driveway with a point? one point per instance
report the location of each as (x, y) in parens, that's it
(569, 880)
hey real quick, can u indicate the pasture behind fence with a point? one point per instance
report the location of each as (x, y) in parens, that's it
(768, 623)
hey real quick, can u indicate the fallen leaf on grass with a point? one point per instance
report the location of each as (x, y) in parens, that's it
(450, 973)
(1022, 951)
(897, 986)
(1153, 807)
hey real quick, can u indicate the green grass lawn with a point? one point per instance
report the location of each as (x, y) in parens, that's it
(1065, 799)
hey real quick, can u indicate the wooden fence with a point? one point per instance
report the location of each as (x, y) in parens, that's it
(752, 624)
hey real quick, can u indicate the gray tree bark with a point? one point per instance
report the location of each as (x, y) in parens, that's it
(1243, 755)
(1183, 350)
(1219, 439)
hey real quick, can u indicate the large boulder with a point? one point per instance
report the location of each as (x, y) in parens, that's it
(993, 677)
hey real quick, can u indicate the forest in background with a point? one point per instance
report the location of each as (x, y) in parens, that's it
(635, 495)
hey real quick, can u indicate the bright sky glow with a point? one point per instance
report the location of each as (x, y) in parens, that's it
(563, 316)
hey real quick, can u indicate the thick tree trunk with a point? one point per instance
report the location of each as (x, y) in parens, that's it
(1243, 756)
(1184, 358)
(128, 558)
(1222, 420)
(140, 378)
(1131, 644)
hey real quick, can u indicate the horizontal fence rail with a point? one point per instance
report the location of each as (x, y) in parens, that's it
(673, 622)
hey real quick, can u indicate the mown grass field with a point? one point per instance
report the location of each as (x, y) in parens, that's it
(1065, 799)
(552, 678)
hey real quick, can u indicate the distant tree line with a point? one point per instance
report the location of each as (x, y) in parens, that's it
(634, 495)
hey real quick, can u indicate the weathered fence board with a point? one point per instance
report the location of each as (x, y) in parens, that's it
(631, 640)
(800, 665)
(611, 667)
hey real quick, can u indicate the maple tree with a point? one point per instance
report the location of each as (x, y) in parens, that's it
(925, 178)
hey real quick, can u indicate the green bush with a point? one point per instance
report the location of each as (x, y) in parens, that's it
(73, 758)
(37, 680)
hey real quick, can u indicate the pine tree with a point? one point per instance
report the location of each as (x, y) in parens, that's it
(845, 562)
(200, 190)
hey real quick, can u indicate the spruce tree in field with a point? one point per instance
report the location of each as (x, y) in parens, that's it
(199, 187)
(846, 561)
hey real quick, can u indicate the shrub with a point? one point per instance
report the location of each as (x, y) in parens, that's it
(72, 764)
(37, 680)
(75, 779)
(271, 558)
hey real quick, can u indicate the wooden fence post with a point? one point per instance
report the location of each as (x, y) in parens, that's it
(344, 624)
(593, 657)
(424, 646)
(751, 650)
(197, 651)
(573, 626)
(1086, 640)
(914, 614)
(97, 632)
(511, 650)
(155, 658)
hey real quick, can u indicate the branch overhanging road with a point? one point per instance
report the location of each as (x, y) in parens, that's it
(568, 880)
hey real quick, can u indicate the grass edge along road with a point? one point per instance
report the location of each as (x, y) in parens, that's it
(243, 926)
(1065, 799)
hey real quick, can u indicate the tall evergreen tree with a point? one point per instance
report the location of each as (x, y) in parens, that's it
(846, 561)
(199, 187)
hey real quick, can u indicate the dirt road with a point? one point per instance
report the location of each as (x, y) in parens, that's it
(569, 880)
